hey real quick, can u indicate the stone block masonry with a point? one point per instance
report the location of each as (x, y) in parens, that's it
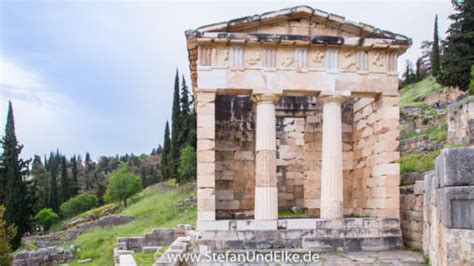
(461, 122)
(448, 209)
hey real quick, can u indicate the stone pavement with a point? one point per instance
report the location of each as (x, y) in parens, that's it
(397, 257)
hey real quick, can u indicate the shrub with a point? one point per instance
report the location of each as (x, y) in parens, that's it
(187, 163)
(6, 234)
(418, 162)
(78, 204)
(46, 218)
(122, 185)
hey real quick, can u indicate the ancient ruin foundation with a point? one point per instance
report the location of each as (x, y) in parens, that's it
(296, 108)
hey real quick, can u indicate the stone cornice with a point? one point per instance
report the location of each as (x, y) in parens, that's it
(289, 39)
(322, 17)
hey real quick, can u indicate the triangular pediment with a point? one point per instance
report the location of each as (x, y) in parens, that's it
(299, 20)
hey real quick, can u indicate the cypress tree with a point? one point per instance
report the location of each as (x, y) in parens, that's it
(458, 52)
(88, 174)
(192, 127)
(64, 180)
(53, 201)
(435, 52)
(17, 211)
(41, 179)
(74, 180)
(185, 112)
(164, 163)
(175, 130)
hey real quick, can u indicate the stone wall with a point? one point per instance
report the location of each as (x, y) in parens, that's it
(461, 122)
(448, 209)
(299, 130)
(376, 173)
(411, 213)
(235, 156)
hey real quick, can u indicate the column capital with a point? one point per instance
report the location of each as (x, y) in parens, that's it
(265, 98)
(339, 99)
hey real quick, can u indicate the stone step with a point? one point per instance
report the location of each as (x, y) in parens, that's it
(152, 249)
(352, 244)
(299, 234)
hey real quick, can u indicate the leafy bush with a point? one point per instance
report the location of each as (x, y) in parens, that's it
(418, 162)
(122, 185)
(187, 163)
(6, 234)
(46, 218)
(78, 204)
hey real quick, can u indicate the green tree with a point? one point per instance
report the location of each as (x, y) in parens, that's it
(74, 180)
(165, 155)
(185, 113)
(78, 204)
(6, 233)
(64, 180)
(41, 178)
(89, 172)
(53, 196)
(46, 218)
(458, 52)
(187, 165)
(175, 130)
(122, 185)
(435, 68)
(409, 75)
(16, 199)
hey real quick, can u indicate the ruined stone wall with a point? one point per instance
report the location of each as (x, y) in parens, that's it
(376, 173)
(448, 209)
(411, 214)
(461, 122)
(299, 131)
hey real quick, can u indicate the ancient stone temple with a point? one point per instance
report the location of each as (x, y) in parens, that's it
(297, 108)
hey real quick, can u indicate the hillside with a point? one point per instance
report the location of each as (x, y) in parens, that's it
(423, 128)
(152, 208)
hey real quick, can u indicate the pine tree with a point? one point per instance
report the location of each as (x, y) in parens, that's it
(435, 52)
(175, 130)
(64, 180)
(74, 180)
(164, 163)
(18, 209)
(458, 50)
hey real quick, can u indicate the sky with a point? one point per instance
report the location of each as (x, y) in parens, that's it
(97, 76)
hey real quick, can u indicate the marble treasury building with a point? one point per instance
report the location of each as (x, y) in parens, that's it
(297, 108)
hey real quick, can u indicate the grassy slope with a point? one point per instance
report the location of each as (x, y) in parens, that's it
(153, 208)
(414, 94)
(410, 96)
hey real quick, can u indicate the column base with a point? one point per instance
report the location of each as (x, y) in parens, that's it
(335, 210)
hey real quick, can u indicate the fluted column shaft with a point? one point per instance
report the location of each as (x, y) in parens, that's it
(332, 206)
(266, 191)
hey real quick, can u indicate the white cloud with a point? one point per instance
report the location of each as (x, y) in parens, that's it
(43, 116)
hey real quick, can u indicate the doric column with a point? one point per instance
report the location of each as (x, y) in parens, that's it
(205, 114)
(266, 191)
(332, 206)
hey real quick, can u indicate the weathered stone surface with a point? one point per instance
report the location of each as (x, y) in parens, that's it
(456, 207)
(454, 167)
